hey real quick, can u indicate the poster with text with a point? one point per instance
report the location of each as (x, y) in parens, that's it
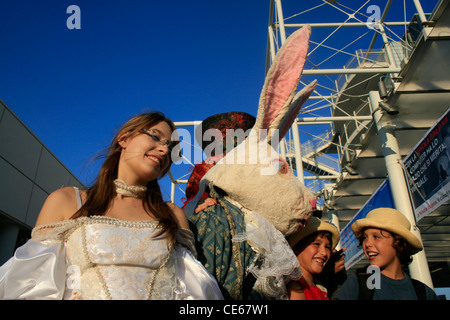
(428, 169)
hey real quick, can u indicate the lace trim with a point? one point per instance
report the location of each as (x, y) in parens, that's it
(276, 264)
(62, 229)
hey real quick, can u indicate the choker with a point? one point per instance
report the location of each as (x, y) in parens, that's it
(132, 191)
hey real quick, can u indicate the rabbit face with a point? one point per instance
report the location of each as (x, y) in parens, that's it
(264, 184)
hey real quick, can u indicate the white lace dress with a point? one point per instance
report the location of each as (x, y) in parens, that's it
(106, 258)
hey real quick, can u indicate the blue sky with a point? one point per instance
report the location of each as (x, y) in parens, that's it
(188, 59)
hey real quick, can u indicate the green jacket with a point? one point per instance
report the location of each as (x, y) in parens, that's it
(226, 260)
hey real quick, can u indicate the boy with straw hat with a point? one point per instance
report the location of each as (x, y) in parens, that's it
(388, 244)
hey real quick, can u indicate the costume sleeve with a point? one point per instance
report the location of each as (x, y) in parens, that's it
(36, 271)
(213, 241)
(195, 281)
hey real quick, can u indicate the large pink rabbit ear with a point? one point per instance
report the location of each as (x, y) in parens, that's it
(282, 80)
(294, 109)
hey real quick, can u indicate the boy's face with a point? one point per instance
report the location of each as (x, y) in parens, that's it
(314, 257)
(378, 245)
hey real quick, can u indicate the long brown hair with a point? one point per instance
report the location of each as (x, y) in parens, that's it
(100, 195)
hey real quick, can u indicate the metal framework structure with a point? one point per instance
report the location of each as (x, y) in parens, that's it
(342, 145)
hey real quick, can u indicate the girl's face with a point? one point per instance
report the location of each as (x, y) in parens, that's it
(378, 245)
(145, 157)
(314, 257)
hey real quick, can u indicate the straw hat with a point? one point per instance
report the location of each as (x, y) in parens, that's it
(314, 225)
(390, 220)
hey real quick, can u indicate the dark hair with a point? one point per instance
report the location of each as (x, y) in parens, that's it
(402, 247)
(102, 192)
(302, 244)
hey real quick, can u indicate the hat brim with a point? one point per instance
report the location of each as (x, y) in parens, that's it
(359, 225)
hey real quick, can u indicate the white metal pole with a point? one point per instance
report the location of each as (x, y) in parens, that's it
(172, 192)
(282, 145)
(172, 187)
(281, 21)
(187, 123)
(318, 72)
(336, 118)
(420, 11)
(298, 152)
(341, 25)
(270, 50)
(419, 266)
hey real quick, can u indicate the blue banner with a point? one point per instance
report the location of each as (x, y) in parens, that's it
(382, 198)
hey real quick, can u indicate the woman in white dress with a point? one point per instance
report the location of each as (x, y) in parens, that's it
(118, 239)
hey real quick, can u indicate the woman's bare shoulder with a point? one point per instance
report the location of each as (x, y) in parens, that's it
(59, 205)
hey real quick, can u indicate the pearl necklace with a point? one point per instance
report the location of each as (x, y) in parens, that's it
(126, 190)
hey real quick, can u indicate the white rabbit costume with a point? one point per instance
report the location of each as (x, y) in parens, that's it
(241, 240)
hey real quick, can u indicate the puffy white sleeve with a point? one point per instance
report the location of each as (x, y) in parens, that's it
(36, 271)
(195, 281)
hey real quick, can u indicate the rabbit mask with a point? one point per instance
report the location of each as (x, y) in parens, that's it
(253, 174)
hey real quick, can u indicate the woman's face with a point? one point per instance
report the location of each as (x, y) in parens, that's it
(314, 257)
(145, 156)
(378, 245)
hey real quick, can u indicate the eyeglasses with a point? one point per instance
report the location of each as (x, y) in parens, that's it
(155, 135)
